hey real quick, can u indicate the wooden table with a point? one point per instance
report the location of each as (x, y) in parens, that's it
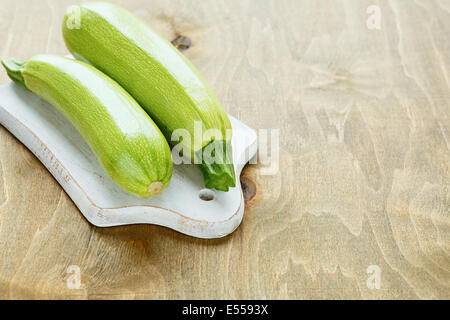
(359, 207)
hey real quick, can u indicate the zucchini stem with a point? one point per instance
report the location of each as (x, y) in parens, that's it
(218, 174)
(14, 70)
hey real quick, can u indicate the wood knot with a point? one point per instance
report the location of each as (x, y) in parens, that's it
(248, 188)
(182, 43)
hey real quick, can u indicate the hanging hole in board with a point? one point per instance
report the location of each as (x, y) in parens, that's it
(206, 194)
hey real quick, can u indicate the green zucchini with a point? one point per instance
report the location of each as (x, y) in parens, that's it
(126, 142)
(160, 78)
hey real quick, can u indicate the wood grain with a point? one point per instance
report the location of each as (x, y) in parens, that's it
(364, 174)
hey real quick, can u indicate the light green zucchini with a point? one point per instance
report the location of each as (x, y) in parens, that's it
(160, 78)
(126, 142)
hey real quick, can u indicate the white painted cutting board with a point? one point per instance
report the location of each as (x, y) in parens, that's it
(68, 158)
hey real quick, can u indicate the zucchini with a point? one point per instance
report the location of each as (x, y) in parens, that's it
(126, 142)
(161, 79)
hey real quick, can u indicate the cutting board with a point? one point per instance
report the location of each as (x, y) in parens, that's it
(62, 150)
